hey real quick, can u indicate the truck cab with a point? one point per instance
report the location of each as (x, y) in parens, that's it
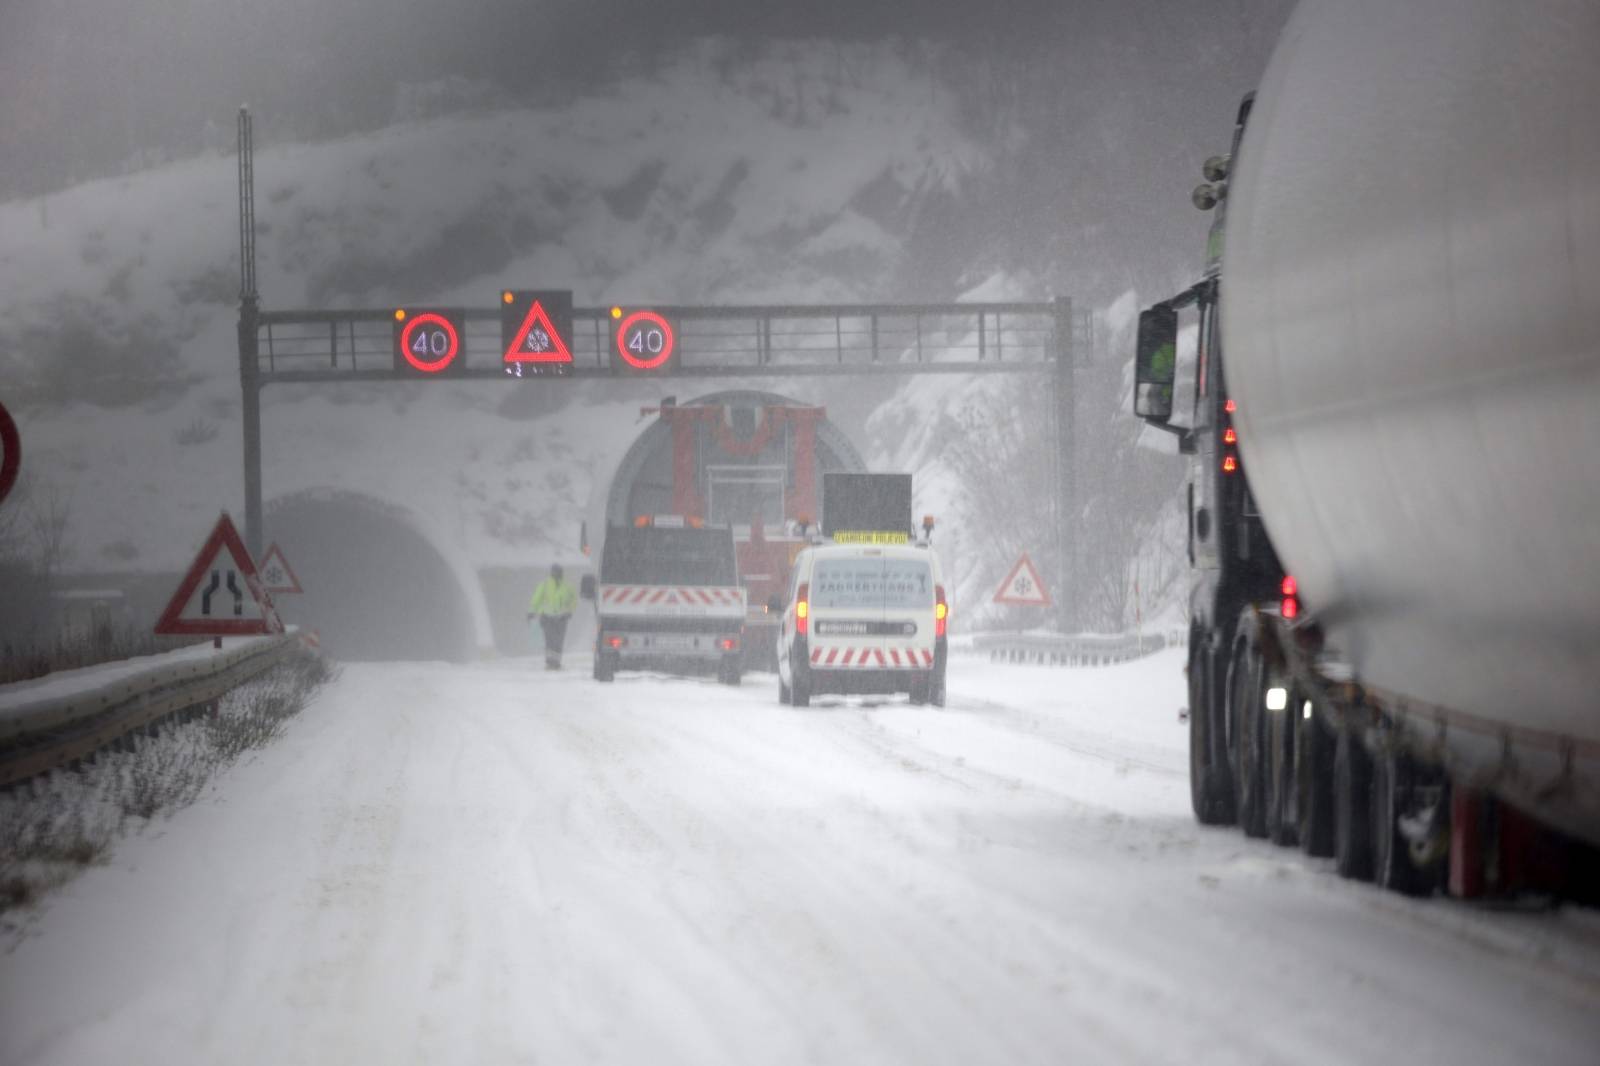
(1181, 388)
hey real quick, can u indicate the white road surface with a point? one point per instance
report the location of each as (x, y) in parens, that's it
(491, 864)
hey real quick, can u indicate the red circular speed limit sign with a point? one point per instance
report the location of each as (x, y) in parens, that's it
(429, 342)
(10, 452)
(644, 340)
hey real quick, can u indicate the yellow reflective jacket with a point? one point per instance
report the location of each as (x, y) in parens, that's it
(553, 596)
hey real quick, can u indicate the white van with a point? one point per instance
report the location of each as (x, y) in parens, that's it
(863, 619)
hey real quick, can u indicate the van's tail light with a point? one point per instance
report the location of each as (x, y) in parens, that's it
(941, 611)
(1291, 597)
(802, 608)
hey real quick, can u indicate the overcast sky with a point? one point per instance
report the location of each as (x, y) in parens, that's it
(89, 87)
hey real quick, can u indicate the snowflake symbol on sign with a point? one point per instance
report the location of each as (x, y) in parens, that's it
(1024, 586)
(274, 575)
(538, 341)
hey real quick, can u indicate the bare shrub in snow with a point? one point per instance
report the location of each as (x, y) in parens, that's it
(55, 825)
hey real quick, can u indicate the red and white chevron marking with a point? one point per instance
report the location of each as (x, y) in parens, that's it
(837, 658)
(670, 596)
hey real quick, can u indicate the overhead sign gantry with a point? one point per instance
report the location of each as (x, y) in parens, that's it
(539, 334)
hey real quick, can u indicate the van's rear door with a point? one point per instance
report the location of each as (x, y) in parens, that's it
(908, 601)
(847, 619)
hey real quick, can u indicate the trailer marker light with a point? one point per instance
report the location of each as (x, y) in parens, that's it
(1229, 406)
(1229, 436)
(641, 521)
(1290, 586)
(727, 644)
(615, 642)
(1305, 710)
(1277, 698)
(1229, 464)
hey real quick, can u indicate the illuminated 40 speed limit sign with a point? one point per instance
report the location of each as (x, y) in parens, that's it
(644, 341)
(427, 341)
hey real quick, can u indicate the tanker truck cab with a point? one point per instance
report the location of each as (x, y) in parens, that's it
(1181, 389)
(864, 619)
(669, 598)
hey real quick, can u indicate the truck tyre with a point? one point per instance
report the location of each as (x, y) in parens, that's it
(728, 672)
(1210, 792)
(1313, 757)
(605, 666)
(1352, 806)
(920, 688)
(1394, 778)
(1283, 813)
(936, 685)
(800, 694)
(1249, 737)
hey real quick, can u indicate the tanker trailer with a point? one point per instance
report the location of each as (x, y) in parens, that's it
(1392, 405)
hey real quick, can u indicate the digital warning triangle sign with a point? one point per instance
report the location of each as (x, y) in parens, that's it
(534, 327)
(221, 595)
(1023, 587)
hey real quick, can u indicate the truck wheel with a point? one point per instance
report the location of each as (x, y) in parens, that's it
(1210, 792)
(605, 667)
(801, 692)
(1283, 821)
(1352, 802)
(728, 672)
(1249, 738)
(1313, 757)
(920, 688)
(1394, 780)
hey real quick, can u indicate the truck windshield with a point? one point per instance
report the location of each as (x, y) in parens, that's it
(872, 584)
(648, 555)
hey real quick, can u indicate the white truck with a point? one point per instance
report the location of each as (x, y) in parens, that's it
(1393, 413)
(669, 598)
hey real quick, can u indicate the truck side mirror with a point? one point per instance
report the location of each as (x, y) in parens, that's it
(586, 586)
(1155, 364)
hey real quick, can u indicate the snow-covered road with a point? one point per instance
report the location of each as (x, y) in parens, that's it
(491, 864)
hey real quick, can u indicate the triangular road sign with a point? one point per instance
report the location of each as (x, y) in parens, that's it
(1023, 587)
(276, 574)
(221, 595)
(537, 340)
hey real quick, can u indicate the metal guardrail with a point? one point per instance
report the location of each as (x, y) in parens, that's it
(60, 719)
(1082, 649)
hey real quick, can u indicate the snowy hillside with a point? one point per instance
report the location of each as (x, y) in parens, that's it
(800, 179)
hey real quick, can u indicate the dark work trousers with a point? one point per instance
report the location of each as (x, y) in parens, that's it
(555, 636)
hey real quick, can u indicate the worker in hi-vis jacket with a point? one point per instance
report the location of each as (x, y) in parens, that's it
(553, 603)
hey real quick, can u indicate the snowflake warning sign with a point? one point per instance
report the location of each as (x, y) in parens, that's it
(534, 327)
(1023, 587)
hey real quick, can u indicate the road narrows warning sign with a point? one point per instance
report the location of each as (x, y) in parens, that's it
(221, 595)
(1023, 586)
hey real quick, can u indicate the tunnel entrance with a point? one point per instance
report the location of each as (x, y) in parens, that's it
(375, 588)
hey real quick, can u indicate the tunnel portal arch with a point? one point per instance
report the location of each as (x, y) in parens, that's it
(379, 582)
